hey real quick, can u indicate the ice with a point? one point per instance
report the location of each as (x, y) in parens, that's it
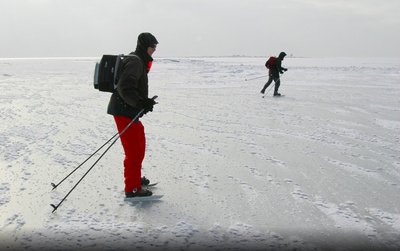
(318, 168)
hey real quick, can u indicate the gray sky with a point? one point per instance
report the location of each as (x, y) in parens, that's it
(310, 28)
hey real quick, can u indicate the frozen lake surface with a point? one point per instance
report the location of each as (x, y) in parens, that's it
(316, 169)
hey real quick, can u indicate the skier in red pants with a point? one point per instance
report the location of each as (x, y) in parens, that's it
(130, 97)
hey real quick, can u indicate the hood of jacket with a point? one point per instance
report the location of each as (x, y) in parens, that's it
(145, 40)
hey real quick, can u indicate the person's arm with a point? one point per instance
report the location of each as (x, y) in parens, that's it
(279, 67)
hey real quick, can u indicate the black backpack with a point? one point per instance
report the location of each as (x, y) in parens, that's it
(107, 71)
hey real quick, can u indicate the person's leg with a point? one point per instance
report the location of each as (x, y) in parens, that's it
(277, 84)
(134, 144)
(266, 85)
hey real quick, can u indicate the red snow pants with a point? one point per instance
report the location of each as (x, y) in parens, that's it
(134, 143)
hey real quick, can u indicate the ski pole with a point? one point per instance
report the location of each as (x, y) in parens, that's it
(115, 140)
(59, 183)
(101, 156)
(55, 186)
(247, 79)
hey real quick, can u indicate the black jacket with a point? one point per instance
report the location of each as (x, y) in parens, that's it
(277, 67)
(132, 86)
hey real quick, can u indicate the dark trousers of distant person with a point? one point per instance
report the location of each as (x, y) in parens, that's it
(277, 84)
(134, 143)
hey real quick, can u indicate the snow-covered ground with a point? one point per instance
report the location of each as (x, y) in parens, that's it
(318, 168)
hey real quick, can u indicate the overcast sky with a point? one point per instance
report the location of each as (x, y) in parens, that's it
(309, 28)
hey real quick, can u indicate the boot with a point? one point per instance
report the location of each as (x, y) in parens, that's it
(138, 193)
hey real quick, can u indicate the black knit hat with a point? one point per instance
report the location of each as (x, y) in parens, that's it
(146, 40)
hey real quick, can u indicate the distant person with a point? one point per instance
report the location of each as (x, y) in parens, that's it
(274, 66)
(125, 103)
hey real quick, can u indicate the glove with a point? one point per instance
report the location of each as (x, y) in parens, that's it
(147, 105)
